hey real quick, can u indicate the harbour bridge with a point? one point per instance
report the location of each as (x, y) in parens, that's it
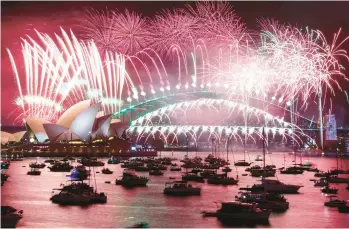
(200, 114)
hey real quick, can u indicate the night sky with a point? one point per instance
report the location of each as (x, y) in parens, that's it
(20, 18)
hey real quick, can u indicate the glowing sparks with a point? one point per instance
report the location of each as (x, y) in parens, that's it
(121, 60)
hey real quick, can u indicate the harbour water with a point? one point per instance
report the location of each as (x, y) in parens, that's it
(125, 207)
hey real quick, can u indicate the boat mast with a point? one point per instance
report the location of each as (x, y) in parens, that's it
(212, 139)
(337, 160)
(228, 146)
(71, 149)
(292, 122)
(263, 139)
(187, 145)
(89, 164)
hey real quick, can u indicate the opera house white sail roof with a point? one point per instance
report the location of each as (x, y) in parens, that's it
(82, 121)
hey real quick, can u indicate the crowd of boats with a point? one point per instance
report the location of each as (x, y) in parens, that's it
(252, 204)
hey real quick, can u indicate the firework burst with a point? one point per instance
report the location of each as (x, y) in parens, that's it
(97, 26)
(218, 22)
(130, 32)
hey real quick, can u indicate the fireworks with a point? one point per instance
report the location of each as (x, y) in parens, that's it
(96, 26)
(130, 32)
(218, 22)
(125, 33)
(171, 28)
(58, 74)
(123, 62)
(304, 60)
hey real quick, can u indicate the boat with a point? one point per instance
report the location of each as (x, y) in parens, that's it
(61, 167)
(259, 158)
(301, 167)
(10, 216)
(209, 158)
(68, 198)
(37, 165)
(77, 188)
(222, 179)
(50, 161)
(253, 167)
(311, 169)
(263, 172)
(268, 201)
(321, 174)
(107, 171)
(334, 202)
(193, 177)
(237, 212)
(159, 167)
(156, 173)
(175, 168)
(321, 183)
(327, 189)
(226, 169)
(208, 173)
(34, 172)
(242, 163)
(338, 171)
(79, 173)
(96, 197)
(181, 188)
(78, 194)
(344, 208)
(142, 169)
(82, 189)
(70, 158)
(5, 165)
(196, 170)
(291, 170)
(140, 225)
(279, 187)
(90, 162)
(130, 179)
(336, 179)
(4, 178)
(113, 160)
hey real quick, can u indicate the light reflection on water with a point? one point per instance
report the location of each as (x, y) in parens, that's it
(126, 207)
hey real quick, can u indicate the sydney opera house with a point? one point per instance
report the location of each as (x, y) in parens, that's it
(80, 129)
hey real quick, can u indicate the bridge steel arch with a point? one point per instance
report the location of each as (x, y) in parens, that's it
(130, 112)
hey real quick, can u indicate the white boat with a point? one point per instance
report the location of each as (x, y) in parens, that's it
(181, 188)
(10, 216)
(259, 158)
